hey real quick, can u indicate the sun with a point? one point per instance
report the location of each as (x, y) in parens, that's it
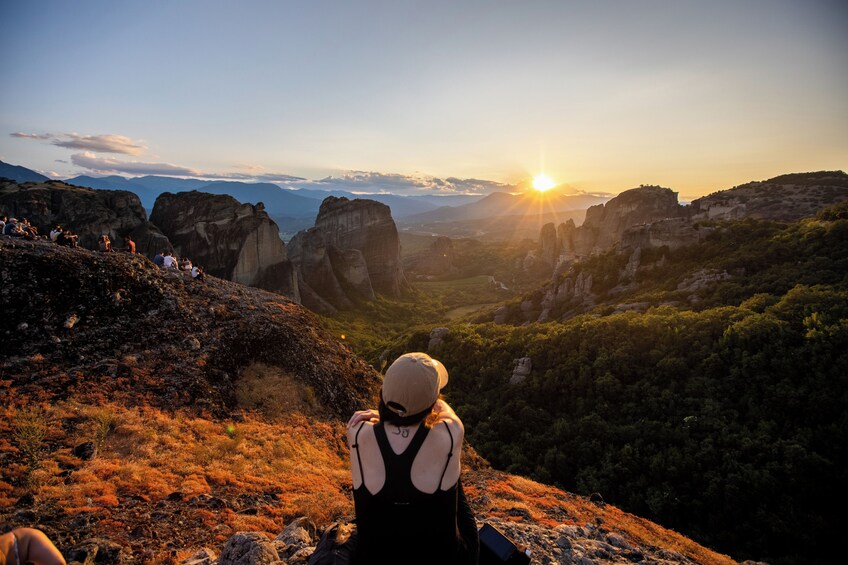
(543, 183)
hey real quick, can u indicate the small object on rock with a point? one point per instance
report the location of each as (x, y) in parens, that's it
(596, 498)
(192, 343)
(204, 556)
(249, 548)
(300, 532)
(522, 369)
(98, 550)
(71, 321)
(436, 337)
(616, 540)
(563, 542)
(23, 326)
(85, 451)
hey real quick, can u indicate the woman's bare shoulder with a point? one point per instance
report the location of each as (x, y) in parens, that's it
(363, 431)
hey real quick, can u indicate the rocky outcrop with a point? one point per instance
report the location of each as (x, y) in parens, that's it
(606, 223)
(645, 216)
(672, 233)
(86, 212)
(521, 371)
(437, 336)
(435, 262)
(130, 315)
(367, 226)
(352, 251)
(321, 290)
(784, 198)
(549, 245)
(233, 241)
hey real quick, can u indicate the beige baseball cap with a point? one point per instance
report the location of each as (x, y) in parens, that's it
(412, 383)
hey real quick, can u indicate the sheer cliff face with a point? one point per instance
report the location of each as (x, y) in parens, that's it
(86, 212)
(614, 223)
(238, 242)
(367, 226)
(352, 251)
(606, 223)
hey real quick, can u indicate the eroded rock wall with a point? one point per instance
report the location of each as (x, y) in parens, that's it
(234, 241)
(366, 225)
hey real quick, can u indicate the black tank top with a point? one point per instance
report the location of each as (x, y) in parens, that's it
(401, 524)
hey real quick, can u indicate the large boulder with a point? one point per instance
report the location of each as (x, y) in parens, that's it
(233, 241)
(86, 212)
(249, 548)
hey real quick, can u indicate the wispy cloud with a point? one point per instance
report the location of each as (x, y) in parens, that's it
(103, 143)
(22, 135)
(369, 182)
(106, 165)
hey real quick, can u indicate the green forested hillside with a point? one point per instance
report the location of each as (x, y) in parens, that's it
(726, 419)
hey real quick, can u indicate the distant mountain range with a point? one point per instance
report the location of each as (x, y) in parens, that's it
(20, 174)
(500, 204)
(295, 209)
(282, 204)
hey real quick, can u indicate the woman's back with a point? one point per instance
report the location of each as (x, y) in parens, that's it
(400, 519)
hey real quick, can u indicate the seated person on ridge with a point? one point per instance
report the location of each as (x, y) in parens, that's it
(410, 507)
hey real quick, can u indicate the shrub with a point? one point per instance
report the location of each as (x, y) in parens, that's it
(30, 427)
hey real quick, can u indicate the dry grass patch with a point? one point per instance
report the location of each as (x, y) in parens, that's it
(274, 393)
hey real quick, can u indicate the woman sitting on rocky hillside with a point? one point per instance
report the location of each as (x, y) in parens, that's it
(410, 507)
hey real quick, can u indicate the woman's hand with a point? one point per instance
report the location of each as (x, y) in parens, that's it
(363, 416)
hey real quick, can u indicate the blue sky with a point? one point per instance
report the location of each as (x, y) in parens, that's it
(601, 95)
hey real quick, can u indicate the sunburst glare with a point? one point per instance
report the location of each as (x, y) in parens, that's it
(543, 183)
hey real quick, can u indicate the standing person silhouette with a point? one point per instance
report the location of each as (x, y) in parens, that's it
(405, 462)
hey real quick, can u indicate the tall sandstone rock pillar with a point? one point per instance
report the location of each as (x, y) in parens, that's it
(367, 226)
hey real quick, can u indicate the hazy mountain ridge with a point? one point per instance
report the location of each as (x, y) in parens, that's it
(282, 203)
(505, 204)
(20, 174)
(163, 367)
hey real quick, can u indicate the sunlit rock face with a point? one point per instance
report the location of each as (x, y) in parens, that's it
(234, 241)
(606, 223)
(366, 225)
(784, 198)
(86, 212)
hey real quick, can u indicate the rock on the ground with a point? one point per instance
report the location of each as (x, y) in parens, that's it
(249, 548)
